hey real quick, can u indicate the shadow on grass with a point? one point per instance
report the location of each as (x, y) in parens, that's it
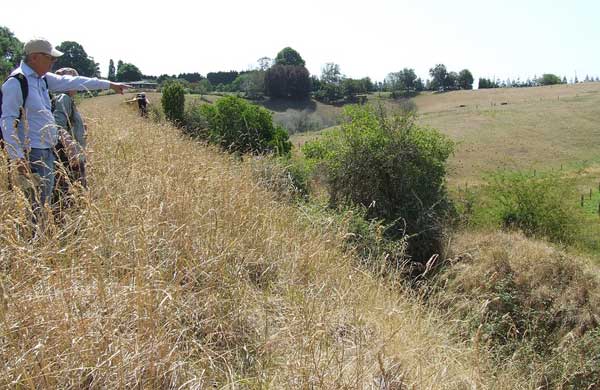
(281, 105)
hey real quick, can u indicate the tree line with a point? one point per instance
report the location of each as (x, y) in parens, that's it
(285, 76)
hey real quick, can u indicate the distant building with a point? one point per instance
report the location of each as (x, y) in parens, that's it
(143, 84)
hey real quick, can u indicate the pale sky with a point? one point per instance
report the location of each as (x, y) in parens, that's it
(372, 38)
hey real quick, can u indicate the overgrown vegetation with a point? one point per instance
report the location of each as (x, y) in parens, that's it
(179, 270)
(533, 306)
(393, 168)
(540, 206)
(173, 101)
(239, 126)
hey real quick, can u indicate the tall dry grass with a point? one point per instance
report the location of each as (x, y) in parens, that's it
(179, 270)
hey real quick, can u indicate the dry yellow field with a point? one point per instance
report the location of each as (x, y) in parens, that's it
(539, 128)
(180, 270)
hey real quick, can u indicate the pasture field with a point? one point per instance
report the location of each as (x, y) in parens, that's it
(541, 128)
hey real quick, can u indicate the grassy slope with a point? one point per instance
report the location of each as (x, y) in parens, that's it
(540, 128)
(181, 270)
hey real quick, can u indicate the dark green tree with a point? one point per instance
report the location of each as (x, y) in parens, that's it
(191, 77)
(112, 76)
(451, 81)
(549, 79)
(75, 57)
(173, 101)
(407, 79)
(403, 80)
(128, 72)
(224, 78)
(465, 79)
(11, 51)
(330, 73)
(289, 56)
(419, 86)
(438, 74)
(285, 81)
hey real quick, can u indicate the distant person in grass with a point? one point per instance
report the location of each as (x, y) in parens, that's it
(71, 157)
(142, 102)
(29, 130)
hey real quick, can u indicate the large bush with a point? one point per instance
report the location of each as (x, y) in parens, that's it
(392, 167)
(542, 205)
(239, 126)
(173, 101)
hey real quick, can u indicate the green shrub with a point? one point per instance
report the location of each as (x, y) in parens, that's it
(393, 168)
(194, 121)
(329, 93)
(368, 239)
(542, 206)
(239, 126)
(173, 101)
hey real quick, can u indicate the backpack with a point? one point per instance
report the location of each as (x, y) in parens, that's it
(24, 92)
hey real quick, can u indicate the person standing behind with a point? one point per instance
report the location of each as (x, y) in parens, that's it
(71, 155)
(29, 129)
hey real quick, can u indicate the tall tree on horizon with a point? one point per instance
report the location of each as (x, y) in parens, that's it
(128, 72)
(75, 57)
(438, 74)
(289, 56)
(465, 79)
(11, 51)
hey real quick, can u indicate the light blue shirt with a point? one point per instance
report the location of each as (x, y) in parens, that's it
(37, 129)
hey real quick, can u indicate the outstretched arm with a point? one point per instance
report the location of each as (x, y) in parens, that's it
(58, 83)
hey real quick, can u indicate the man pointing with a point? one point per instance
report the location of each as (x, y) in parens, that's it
(28, 128)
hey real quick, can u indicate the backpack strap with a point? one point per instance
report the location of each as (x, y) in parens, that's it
(50, 95)
(24, 92)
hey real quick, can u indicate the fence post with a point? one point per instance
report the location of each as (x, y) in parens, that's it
(590, 193)
(581, 200)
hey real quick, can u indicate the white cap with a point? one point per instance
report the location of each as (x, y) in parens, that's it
(40, 45)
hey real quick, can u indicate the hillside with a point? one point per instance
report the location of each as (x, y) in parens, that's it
(539, 128)
(180, 270)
